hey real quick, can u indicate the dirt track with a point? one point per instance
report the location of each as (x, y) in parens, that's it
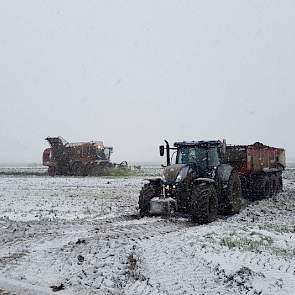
(82, 235)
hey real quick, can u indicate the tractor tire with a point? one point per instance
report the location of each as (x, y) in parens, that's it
(147, 192)
(204, 204)
(233, 195)
(51, 171)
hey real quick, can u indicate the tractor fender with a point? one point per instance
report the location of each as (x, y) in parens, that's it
(153, 180)
(204, 180)
(223, 172)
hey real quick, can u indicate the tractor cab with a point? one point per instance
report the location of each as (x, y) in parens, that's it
(198, 157)
(202, 156)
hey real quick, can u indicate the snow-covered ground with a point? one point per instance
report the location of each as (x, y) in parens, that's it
(82, 235)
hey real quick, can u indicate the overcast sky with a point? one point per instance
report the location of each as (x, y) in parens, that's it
(132, 73)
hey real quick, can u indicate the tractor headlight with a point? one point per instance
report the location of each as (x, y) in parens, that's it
(182, 174)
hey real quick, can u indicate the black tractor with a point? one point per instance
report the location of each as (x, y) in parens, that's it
(200, 183)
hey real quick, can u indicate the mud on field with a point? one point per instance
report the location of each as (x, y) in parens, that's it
(75, 235)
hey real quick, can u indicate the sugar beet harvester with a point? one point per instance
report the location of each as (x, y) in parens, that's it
(210, 177)
(79, 159)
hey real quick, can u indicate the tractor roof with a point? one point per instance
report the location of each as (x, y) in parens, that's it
(198, 143)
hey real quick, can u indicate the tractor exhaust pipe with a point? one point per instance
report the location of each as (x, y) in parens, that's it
(167, 152)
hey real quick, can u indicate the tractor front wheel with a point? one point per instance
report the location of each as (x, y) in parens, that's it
(204, 203)
(147, 192)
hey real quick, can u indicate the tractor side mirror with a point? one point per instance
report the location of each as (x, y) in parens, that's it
(162, 150)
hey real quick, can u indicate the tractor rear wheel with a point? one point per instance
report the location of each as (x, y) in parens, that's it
(233, 195)
(204, 203)
(148, 191)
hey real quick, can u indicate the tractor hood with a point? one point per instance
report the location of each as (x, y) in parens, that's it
(175, 173)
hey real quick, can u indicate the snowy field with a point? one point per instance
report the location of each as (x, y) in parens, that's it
(75, 235)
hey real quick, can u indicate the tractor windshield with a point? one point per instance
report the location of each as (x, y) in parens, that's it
(202, 157)
(107, 152)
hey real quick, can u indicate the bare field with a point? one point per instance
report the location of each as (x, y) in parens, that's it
(75, 235)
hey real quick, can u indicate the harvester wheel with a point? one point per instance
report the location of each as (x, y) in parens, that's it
(78, 169)
(148, 192)
(233, 195)
(204, 203)
(51, 171)
(88, 169)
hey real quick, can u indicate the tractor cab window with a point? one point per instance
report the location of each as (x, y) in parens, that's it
(100, 154)
(202, 157)
(92, 151)
(213, 157)
(107, 152)
(192, 155)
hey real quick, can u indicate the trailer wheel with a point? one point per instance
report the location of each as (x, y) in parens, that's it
(51, 171)
(147, 192)
(233, 195)
(280, 183)
(274, 184)
(263, 186)
(204, 204)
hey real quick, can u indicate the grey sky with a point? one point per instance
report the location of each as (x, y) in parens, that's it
(132, 73)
